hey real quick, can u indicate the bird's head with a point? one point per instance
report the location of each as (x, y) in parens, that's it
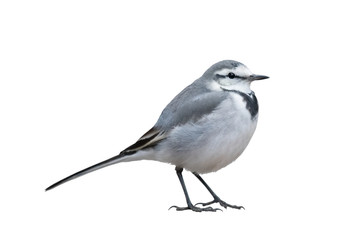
(230, 75)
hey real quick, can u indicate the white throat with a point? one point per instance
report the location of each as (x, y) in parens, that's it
(243, 86)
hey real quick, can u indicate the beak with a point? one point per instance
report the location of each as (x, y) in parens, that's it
(255, 77)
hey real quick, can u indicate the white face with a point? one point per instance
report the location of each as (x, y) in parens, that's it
(239, 82)
(241, 71)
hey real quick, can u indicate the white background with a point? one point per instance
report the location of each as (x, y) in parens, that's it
(82, 80)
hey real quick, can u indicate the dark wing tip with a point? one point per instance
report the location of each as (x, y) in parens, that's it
(145, 141)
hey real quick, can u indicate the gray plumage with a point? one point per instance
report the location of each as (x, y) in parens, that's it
(203, 129)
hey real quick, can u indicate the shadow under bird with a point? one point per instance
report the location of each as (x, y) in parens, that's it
(203, 129)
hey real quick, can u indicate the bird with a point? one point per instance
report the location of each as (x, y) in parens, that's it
(203, 129)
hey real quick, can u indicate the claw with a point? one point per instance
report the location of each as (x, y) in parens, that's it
(195, 209)
(222, 203)
(225, 205)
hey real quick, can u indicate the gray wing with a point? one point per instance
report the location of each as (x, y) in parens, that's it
(190, 105)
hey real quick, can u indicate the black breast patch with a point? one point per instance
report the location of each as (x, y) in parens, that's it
(250, 100)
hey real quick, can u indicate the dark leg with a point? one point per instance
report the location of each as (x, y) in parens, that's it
(216, 198)
(190, 206)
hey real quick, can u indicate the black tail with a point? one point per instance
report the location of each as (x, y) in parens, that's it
(97, 166)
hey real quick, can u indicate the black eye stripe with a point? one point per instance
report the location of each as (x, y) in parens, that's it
(220, 76)
(225, 76)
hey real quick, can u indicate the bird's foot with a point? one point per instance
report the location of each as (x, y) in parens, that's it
(221, 202)
(195, 209)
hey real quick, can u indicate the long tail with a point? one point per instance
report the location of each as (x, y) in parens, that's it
(95, 167)
(148, 140)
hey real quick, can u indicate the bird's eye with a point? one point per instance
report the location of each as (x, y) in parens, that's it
(231, 75)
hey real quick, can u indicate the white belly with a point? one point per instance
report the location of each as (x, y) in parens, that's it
(213, 142)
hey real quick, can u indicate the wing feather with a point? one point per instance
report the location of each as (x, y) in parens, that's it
(190, 105)
(149, 139)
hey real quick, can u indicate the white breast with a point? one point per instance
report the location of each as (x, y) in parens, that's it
(214, 141)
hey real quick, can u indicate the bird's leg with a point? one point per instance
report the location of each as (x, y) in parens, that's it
(190, 206)
(216, 198)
